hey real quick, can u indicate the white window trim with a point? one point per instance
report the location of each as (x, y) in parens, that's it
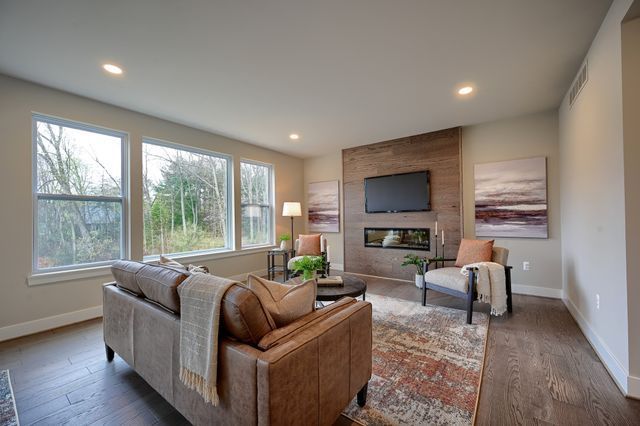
(229, 243)
(271, 197)
(123, 199)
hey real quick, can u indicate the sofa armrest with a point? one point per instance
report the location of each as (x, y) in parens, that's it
(314, 372)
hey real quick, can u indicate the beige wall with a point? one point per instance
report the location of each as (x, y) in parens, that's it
(593, 200)
(19, 302)
(631, 120)
(533, 135)
(319, 169)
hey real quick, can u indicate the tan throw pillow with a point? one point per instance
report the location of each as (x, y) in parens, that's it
(170, 262)
(474, 251)
(309, 245)
(284, 302)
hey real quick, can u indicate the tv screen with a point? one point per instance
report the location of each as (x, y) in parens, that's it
(406, 192)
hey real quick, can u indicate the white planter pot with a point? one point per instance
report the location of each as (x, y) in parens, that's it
(284, 245)
(419, 280)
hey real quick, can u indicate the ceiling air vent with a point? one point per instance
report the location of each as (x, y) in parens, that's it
(578, 84)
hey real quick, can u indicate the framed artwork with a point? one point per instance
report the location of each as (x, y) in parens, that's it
(511, 198)
(324, 206)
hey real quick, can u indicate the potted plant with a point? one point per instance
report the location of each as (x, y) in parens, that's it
(418, 262)
(284, 241)
(308, 265)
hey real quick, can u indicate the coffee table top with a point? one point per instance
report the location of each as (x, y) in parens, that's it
(353, 287)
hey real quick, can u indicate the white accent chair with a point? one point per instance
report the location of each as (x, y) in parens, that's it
(324, 249)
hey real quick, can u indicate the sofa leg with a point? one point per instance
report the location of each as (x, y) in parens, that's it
(362, 395)
(109, 352)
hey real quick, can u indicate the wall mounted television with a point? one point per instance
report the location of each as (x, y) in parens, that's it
(405, 192)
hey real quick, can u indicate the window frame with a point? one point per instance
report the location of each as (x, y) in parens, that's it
(271, 205)
(36, 196)
(230, 238)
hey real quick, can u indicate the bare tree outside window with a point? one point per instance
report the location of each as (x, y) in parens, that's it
(255, 184)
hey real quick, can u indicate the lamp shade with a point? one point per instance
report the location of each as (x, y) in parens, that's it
(291, 209)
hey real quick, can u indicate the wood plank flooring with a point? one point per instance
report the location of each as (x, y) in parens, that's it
(539, 370)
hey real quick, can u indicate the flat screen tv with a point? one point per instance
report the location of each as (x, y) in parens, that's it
(406, 192)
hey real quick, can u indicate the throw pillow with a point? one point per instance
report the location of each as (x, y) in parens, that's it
(309, 245)
(170, 262)
(473, 251)
(284, 302)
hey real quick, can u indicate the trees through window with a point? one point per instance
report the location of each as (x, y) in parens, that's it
(78, 194)
(186, 199)
(256, 202)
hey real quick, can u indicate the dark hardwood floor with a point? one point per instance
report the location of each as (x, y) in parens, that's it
(539, 369)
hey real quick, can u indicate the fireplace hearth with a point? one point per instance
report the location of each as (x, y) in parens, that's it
(398, 238)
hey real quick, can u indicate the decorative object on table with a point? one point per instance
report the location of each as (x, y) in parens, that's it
(284, 241)
(324, 206)
(511, 198)
(308, 265)
(291, 209)
(8, 411)
(437, 378)
(353, 286)
(335, 281)
(418, 262)
(273, 267)
(450, 281)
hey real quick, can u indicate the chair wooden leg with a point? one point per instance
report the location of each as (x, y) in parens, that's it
(362, 395)
(507, 273)
(109, 352)
(470, 296)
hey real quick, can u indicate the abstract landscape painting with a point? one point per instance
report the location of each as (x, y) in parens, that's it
(324, 206)
(511, 198)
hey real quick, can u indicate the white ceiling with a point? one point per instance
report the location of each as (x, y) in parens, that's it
(339, 72)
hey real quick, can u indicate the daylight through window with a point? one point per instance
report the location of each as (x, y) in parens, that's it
(78, 194)
(256, 202)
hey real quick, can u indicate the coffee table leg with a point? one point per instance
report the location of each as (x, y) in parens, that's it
(364, 296)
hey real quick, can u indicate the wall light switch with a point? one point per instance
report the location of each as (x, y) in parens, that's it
(597, 301)
(526, 266)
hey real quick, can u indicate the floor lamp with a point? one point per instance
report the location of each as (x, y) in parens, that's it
(291, 209)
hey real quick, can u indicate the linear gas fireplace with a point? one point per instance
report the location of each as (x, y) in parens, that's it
(398, 238)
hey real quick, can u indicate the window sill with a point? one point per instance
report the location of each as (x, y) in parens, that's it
(70, 275)
(193, 258)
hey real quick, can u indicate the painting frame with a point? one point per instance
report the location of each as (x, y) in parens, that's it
(323, 204)
(511, 199)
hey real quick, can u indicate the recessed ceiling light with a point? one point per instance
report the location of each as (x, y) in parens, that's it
(112, 69)
(465, 90)
(294, 136)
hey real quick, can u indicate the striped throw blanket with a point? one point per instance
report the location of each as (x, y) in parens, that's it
(200, 301)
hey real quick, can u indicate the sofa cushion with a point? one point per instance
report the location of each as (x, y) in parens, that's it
(124, 272)
(309, 245)
(284, 302)
(450, 278)
(473, 251)
(159, 283)
(243, 316)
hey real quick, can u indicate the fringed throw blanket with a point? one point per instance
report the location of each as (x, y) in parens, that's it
(200, 300)
(491, 285)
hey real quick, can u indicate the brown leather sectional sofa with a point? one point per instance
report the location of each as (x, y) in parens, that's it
(305, 373)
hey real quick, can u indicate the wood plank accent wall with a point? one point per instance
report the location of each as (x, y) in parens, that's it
(440, 153)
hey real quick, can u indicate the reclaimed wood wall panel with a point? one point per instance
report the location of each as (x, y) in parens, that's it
(440, 153)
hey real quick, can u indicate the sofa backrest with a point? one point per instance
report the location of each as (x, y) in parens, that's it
(243, 316)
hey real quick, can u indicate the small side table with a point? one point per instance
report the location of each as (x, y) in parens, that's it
(273, 267)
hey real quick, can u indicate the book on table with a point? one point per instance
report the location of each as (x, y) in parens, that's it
(335, 281)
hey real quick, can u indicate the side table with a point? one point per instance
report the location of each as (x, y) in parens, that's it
(273, 267)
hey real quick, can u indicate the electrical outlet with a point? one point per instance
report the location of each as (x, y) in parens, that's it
(526, 266)
(597, 301)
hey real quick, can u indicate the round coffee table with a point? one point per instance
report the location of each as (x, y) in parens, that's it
(353, 287)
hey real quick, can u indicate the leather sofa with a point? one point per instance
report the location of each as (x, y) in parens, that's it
(306, 372)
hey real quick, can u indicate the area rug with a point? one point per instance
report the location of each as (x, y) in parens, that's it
(8, 412)
(427, 365)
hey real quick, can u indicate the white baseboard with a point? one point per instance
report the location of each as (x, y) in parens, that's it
(617, 371)
(532, 290)
(44, 324)
(243, 277)
(633, 387)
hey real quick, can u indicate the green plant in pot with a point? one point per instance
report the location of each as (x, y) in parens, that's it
(284, 241)
(418, 262)
(308, 265)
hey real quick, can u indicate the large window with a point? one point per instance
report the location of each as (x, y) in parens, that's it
(79, 191)
(257, 204)
(186, 199)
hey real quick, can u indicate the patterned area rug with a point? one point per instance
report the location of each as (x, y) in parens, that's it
(8, 413)
(427, 365)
